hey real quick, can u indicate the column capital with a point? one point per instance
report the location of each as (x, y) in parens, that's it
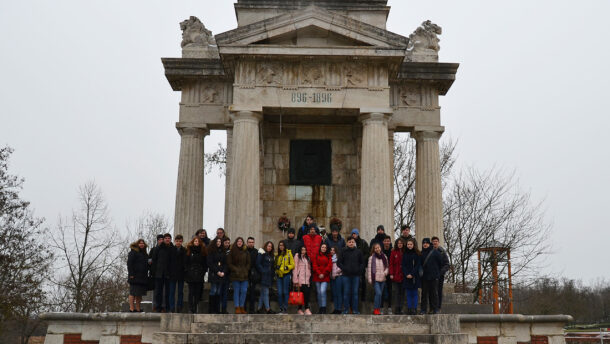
(427, 133)
(195, 129)
(372, 117)
(246, 116)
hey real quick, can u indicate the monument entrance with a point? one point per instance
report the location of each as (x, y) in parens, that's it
(310, 94)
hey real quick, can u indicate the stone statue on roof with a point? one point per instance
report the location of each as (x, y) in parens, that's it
(197, 41)
(423, 42)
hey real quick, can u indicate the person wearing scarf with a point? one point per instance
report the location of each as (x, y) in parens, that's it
(376, 274)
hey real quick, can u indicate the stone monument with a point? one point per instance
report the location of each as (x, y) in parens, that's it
(310, 94)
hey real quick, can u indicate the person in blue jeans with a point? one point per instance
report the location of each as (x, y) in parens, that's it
(351, 263)
(284, 263)
(218, 273)
(376, 273)
(411, 262)
(176, 275)
(336, 282)
(265, 263)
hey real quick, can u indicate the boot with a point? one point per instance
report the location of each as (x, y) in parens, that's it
(398, 311)
(243, 310)
(237, 310)
(215, 304)
(210, 305)
(323, 310)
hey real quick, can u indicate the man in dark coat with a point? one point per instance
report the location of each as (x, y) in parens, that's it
(253, 276)
(444, 268)
(176, 274)
(405, 232)
(335, 240)
(152, 272)
(161, 260)
(293, 244)
(378, 239)
(364, 248)
(304, 230)
(386, 248)
(351, 263)
(431, 262)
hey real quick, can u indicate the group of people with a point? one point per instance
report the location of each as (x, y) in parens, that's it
(305, 261)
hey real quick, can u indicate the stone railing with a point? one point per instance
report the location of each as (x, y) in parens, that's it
(102, 328)
(514, 328)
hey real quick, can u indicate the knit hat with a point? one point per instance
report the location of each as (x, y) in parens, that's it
(426, 240)
(290, 230)
(355, 231)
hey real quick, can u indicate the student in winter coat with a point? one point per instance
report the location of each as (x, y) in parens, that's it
(239, 265)
(335, 239)
(336, 282)
(351, 263)
(431, 262)
(378, 239)
(411, 262)
(137, 269)
(254, 278)
(301, 275)
(224, 291)
(312, 241)
(218, 273)
(203, 236)
(396, 276)
(304, 229)
(265, 263)
(284, 264)
(292, 243)
(322, 267)
(196, 266)
(386, 248)
(444, 268)
(363, 246)
(161, 260)
(376, 275)
(176, 275)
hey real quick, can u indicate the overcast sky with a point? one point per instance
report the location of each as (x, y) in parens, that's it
(83, 96)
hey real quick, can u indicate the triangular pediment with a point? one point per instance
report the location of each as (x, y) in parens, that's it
(312, 27)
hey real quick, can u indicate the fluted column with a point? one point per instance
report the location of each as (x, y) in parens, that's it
(391, 151)
(375, 204)
(244, 182)
(228, 167)
(189, 191)
(428, 194)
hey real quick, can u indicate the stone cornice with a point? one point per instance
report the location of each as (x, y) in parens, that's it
(442, 74)
(180, 70)
(515, 318)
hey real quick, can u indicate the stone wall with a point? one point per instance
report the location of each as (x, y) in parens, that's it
(341, 199)
(514, 328)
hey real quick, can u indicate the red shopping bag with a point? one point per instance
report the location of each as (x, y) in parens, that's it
(296, 298)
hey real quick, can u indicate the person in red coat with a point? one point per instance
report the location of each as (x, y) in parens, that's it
(312, 241)
(396, 275)
(322, 267)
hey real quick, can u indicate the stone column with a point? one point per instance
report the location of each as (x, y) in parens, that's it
(244, 183)
(391, 151)
(428, 194)
(188, 216)
(375, 204)
(228, 167)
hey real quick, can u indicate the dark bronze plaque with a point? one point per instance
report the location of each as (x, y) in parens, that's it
(310, 162)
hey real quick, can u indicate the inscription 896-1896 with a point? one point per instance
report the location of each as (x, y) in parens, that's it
(304, 97)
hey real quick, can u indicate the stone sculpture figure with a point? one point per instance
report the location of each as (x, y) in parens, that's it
(194, 33)
(423, 42)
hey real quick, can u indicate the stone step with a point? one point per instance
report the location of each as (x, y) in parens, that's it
(472, 308)
(301, 338)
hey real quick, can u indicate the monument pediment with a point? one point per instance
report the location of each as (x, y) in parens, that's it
(310, 28)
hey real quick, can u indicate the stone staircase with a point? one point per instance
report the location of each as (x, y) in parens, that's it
(301, 329)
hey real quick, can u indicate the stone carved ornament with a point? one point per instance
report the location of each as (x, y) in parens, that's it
(409, 96)
(268, 73)
(209, 94)
(425, 38)
(194, 34)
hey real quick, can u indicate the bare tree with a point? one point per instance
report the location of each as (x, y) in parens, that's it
(404, 176)
(217, 160)
(89, 250)
(148, 226)
(24, 256)
(488, 208)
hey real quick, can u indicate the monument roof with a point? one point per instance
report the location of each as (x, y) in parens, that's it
(304, 3)
(354, 31)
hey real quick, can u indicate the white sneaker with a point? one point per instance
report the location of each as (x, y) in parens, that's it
(300, 312)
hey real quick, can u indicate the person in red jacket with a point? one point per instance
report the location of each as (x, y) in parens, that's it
(396, 275)
(322, 267)
(312, 241)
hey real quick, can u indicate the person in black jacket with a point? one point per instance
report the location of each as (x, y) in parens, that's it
(152, 272)
(203, 236)
(351, 263)
(195, 267)
(218, 273)
(386, 248)
(363, 246)
(137, 269)
(161, 260)
(176, 275)
(411, 263)
(254, 276)
(378, 239)
(444, 268)
(431, 262)
(293, 244)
